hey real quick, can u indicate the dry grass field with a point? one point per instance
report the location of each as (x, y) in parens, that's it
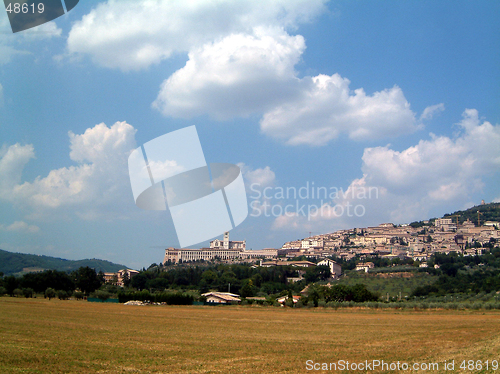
(41, 336)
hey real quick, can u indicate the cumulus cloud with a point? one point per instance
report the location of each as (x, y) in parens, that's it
(431, 111)
(236, 76)
(241, 61)
(97, 186)
(12, 162)
(244, 74)
(441, 164)
(435, 175)
(134, 34)
(20, 226)
(262, 177)
(327, 108)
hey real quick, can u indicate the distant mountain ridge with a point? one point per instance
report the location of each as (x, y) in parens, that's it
(20, 263)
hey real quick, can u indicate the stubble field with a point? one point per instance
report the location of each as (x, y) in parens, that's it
(41, 336)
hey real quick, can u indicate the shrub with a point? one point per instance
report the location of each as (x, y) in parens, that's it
(50, 293)
(102, 295)
(28, 292)
(78, 295)
(489, 306)
(62, 295)
(476, 306)
(333, 304)
(299, 304)
(3, 291)
(17, 292)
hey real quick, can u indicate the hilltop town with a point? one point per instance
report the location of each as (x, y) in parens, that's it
(391, 241)
(417, 241)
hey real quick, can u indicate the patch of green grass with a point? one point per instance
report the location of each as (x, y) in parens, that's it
(389, 283)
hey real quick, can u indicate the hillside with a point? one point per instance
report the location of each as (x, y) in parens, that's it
(488, 212)
(18, 263)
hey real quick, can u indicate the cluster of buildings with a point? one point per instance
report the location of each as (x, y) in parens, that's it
(403, 241)
(235, 251)
(386, 240)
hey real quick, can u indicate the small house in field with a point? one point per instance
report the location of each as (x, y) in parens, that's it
(365, 266)
(222, 298)
(282, 300)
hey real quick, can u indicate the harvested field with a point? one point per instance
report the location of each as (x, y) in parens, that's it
(41, 336)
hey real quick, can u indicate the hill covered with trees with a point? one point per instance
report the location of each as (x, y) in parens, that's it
(20, 263)
(487, 212)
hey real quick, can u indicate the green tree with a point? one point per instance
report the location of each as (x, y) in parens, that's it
(314, 294)
(62, 295)
(339, 293)
(257, 280)
(50, 293)
(360, 294)
(139, 280)
(78, 295)
(86, 279)
(248, 289)
(28, 292)
(10, 283)
(126, 279)
(102, 295)
(100, 275)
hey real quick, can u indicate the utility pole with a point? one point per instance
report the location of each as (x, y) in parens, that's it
(229, 288)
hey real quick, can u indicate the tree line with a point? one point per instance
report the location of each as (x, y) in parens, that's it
(463, 274)
(84, 279)
(242, 279)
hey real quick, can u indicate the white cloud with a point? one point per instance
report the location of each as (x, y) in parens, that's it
(134, 34)
(326, 108)
(98, 186)
(256, 181)
(262, 177)
(244, 74)
(20, 226)
(431, 111)
(44, 31)
(241, 61)
(436, 175)
(165, 169)
(440, 164)
(236, 76)
(12, 161)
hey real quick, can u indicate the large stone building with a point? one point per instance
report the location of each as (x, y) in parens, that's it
(227, 244)
(219, 249)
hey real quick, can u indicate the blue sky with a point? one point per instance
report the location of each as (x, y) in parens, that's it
(398, 97)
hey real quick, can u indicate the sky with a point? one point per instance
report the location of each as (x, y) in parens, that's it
(340, 114)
